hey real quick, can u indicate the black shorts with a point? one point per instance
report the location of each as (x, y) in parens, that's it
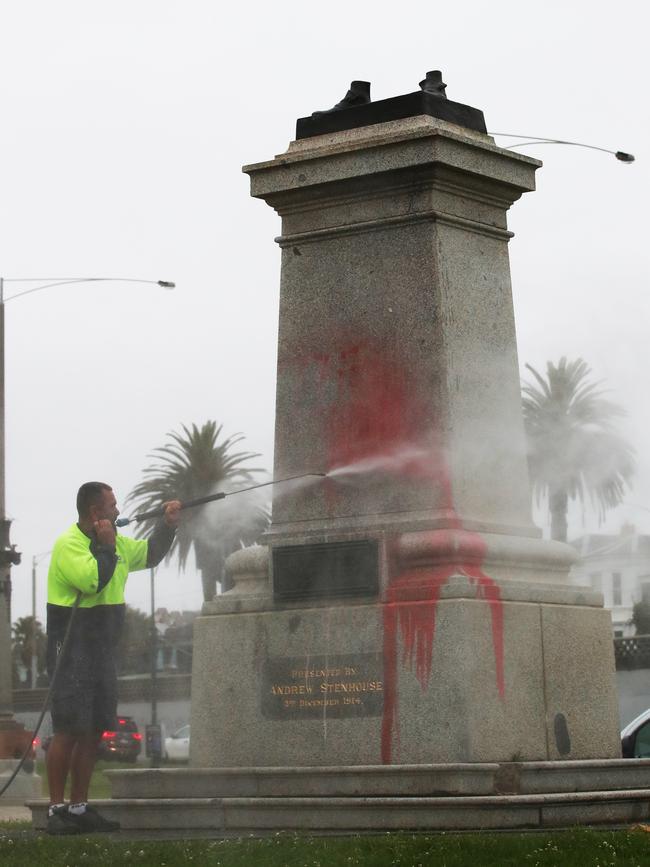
(84, 698)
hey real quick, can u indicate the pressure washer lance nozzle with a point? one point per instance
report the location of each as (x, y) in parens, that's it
(188, 504)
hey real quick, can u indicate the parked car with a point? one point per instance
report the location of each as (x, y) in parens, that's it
(123, 744)
(635, 737)
(18, 740)
(177, 746)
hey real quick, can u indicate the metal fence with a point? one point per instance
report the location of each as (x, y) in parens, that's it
(632, 653)
(169, 687)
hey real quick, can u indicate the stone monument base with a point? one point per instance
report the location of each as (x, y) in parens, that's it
(224, 802)
(524, 672)
(25, 786)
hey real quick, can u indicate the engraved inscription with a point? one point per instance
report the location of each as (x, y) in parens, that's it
(335, 686)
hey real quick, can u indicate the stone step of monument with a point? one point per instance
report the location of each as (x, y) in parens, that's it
(515, 778)
(233, 816)
(26, 784)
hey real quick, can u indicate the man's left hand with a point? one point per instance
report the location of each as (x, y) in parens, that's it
(172, 514)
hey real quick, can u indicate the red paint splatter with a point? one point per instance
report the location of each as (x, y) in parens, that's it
(373, 407)
(411, 603)
(375, 411)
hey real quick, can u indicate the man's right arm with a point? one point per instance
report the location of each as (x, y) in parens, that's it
(106, 562)
(102, 548)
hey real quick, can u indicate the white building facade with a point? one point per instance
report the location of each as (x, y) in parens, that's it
(619, 568)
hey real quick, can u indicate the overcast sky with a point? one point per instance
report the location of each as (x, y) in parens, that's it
(124, 129)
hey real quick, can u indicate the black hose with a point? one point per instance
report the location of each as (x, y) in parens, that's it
(157, 513)
(47, 697)
(199, 501)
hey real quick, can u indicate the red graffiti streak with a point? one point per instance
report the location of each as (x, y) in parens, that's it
(377, 412)
(372, 407)
(411, 603)
(375, 409)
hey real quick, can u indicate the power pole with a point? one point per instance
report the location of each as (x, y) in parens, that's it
(9, 727)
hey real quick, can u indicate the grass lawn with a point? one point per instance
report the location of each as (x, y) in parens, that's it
(581, 848)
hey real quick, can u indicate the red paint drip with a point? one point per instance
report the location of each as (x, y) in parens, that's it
(489, 590)
(371, 410)
(412, 602)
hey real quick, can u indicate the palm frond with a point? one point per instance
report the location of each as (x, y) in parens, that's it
(573, 445)
(195, 462)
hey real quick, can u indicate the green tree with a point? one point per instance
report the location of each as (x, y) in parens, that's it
(135, 643)
(641, 617)
(195, 463)
(574, 450)
(27, 638)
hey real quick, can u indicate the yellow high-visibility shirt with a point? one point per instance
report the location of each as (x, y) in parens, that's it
(73, 567)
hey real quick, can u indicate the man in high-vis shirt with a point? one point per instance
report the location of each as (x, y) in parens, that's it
(90, 559)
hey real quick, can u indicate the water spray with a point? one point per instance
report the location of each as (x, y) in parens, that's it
(199, 501)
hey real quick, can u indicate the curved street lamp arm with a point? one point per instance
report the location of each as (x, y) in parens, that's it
(165, 284)
(620, 155)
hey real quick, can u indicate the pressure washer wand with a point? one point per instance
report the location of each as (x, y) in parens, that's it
(199, 501)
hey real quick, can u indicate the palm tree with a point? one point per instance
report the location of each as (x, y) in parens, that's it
(573, 447)
(195, 464)
(28, 637)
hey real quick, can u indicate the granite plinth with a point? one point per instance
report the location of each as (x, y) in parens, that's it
(464, 678)
(397, 366)
(226, 802)
(443, 780)
(259, 816)
(509, 560)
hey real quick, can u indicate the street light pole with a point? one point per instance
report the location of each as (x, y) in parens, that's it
(154, 654)
(34, 666)
(34, 659)
(8, 554)
(6, 702)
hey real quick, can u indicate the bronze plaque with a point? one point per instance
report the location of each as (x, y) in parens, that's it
(315, 686)
(326, 570)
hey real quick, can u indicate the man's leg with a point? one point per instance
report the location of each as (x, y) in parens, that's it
(57, 761)
(59, 755)
(84, 757)
(81, 813)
